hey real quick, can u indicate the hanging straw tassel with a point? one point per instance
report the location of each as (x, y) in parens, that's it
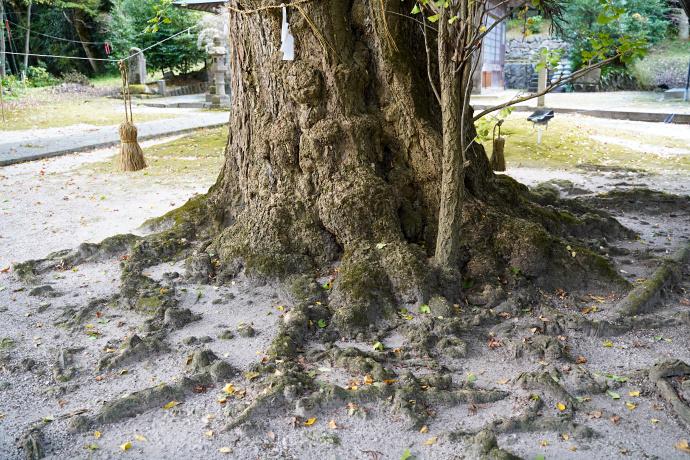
(131, 155)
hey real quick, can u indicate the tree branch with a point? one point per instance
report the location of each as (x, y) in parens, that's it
(561, 81)
(428, 65)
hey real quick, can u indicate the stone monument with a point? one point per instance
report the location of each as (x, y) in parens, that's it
(218, 53)
(137, 67)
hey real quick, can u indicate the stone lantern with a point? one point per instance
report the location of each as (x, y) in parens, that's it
(218, 53)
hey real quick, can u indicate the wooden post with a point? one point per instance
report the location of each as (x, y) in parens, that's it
(2, 40)
(2, 100)
(543, 73)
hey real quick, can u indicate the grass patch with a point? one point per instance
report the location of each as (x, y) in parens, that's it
(197, 156)
(92, 111)
(569, 142)
(666, 63)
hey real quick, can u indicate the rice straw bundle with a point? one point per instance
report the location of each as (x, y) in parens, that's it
(131, 155)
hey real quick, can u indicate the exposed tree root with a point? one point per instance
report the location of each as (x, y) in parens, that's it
(648, 293)
(659, 373)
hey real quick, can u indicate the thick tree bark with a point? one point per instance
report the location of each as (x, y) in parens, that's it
(334, 162)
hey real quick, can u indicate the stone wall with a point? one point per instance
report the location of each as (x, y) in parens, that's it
(522, 56)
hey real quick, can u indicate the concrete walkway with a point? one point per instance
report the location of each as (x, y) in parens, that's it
(106, 136)
(618, 105)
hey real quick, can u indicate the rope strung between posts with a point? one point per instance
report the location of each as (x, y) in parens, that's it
(296, 4)
(268, 7)
(131, 155)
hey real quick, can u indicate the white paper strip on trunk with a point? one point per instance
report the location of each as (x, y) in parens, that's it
(287, 40)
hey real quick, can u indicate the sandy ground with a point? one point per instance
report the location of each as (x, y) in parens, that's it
(59, 203)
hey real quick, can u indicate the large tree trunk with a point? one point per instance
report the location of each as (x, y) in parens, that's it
(339, 152)
(80, 25)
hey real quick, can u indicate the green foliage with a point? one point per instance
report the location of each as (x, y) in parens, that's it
(600, 28)
(38, 77)
(130, 25)
(666, 64)
(485, 125)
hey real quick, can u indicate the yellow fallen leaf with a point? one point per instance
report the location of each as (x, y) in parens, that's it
(543, 443)
(573, 448)
(97, 434)
(389, 381)
(225, 450)
(424, 430)
(631, 406)
(141, 438)
(368, 380)
(560, 406)
(683, 445)
(333, 426)
(210, 416)
(503, 382)
(126, 446)
(279, 307)
(229, 389)
(310, 421)
(209, 433)
(171, 404)
(543, 363)
(566, 437)
(655, 421)
(430, 441)
(89, 326)
(656, 407)
(222, 400)
(634, 393)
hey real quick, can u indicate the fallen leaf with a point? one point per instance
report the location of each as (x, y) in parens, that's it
(631, 406)
(424, 430)
(272, 436)
(141, 438)
(613, 395)
(310, 421)
(171, 404)
(566, 437)
(683, 445)
(543, 443)
(225, 450)
(580, 360)
(655, 421)
(503, 382)
(634, 393)
(615, 419)
(210, 416)
(97, 434)
(430, 441)
(543, 363)
(334, 426)
(222, 400)
(560, 406)
(126, 446)
(608, 344)
(209, 433)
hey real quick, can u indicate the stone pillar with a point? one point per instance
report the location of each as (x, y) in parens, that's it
(543, 73)
(161, 87)
(217, 53)
(137, 67)
(683, 27)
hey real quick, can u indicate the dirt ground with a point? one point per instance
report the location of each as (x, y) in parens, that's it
(598, 400)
